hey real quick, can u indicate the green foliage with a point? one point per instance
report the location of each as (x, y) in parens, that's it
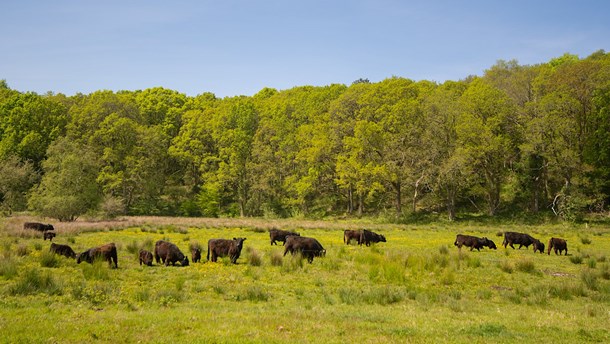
(49, 260)
(34, 281)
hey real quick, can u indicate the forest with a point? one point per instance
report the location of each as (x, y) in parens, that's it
(520, 140)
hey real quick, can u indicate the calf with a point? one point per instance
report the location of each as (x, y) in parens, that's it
(195, 254)
(367, 237)
(41, 227)
(522, 239)
(558, 244)
(352, 234)
(107, 252)
(167, 253)
(48, 235)
(225, 247)
(280, 235)
(473, 242)
(308, 247)
(63, 250)
(146, 257)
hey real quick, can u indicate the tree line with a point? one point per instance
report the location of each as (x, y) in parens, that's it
(520, 138)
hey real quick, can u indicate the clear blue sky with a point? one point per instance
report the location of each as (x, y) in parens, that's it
(238, 47)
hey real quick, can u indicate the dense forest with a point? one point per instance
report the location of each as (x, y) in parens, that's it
(520, 139)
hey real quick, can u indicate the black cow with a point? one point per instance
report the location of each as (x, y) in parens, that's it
(558, 244)
(352, 234)
(522, 239)
(367, 237)
(63, 250)
(146, 257)
(48, 235)
(225, 247)
(280, 235)
(41, 227)
(108, 252)
(473, 242)
(308, 247)
(195, 254)
(167, 253)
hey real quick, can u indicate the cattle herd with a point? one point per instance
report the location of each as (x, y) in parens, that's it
(168, 253)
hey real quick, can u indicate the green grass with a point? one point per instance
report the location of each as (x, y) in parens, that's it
(417, 287)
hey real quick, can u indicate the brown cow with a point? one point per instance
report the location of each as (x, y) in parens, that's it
(352, 234)
(558, 244)
(195, 254)
(41, 227)
(146, 257)
(522, 239)
(48, 235)
(168, 253)
(473, 242)
(308, 247)
(63, 250)
(367, 237)
(224, 247)
(108, 252)
(280, 235)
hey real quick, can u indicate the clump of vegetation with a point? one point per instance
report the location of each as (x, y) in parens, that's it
(526, 265)
(506, 266)
(254, 293)
(8, 268)
(576, 259)
(254, 257)
(22, 250)
(34, 281)
(49, 260)
(276, 258)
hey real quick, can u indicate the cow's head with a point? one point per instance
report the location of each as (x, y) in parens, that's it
(239, 243)
(491, 244)
(382, 238)
(185, 261)
(538, 245)
(82, 257)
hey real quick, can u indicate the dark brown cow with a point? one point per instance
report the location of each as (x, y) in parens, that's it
(63, 250)
(307, 247)
(48, 235)
(146, 257)
(352, 234)
(473, 242)
(522, 239)
(225, 247)
(280, 235)
(41, 227)
(367, 237)
(169, 253)
(108, 252)
(195, 254)
(558, 244)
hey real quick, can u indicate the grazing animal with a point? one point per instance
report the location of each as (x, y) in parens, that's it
(146, 257)
(41, 227)
(48, 235)
(473, 242)
(108, 252)
(558, 244)
(280, 235)
(195, 254)
(308, 247)
(225, 247)
(352, 234)
(522, 239)
(169, 253)
(367, 237)
(63, 250)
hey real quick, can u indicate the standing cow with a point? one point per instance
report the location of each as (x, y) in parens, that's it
(195, 254)
(308, 247)
(225, 247)
(107, 252)
(367, 237)
(352, 234)
(41, 227)
(280, 235)
(473, 242)
(63, 250)
(169, 253)
(522, 239)
(48, 235)
(146, 257)
(558, 244)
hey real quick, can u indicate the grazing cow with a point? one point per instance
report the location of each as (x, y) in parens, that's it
(146, 257)
(225, 247)
(558, 244)
(473, 242)
(280, 235)
(167, 253)
(195, 254)
(367, 237)
(48, 235)
(63, 250)
(308, 247)
(352, 234)
(41, 227)
(522, 239)
(108, 252)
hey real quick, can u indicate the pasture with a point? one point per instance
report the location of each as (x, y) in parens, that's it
(417, 287)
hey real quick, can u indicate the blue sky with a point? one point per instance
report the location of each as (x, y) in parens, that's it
(238, 47)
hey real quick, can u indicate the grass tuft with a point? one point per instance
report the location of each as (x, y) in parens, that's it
(49, 260)
(33, 282)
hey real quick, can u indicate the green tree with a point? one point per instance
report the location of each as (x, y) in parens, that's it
(16, 178)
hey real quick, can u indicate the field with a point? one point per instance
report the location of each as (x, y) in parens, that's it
(417, 287)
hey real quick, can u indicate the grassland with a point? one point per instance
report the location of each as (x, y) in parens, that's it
(417, 287)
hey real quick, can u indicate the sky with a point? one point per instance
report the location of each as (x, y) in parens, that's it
(238, 47)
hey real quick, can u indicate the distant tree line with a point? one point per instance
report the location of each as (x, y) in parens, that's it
(528, 139)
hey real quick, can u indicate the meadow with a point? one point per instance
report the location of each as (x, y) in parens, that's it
(417, 287)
